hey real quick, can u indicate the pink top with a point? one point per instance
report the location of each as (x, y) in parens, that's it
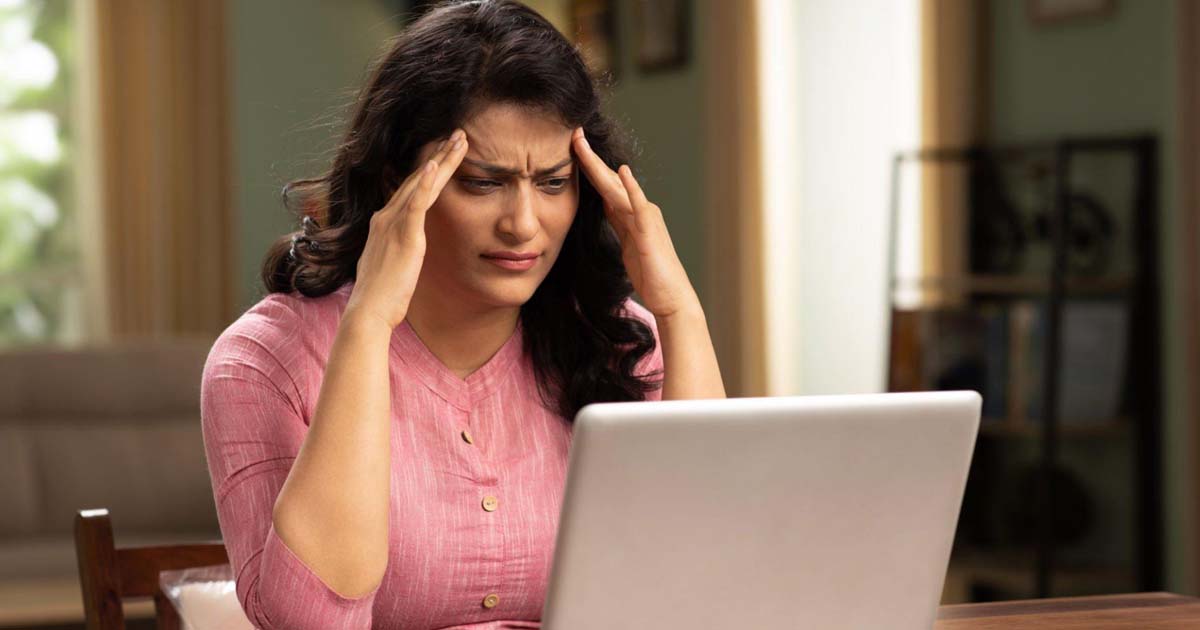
(449, 557)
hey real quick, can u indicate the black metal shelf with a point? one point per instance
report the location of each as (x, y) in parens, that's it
(1053, 285)
(1018, 285)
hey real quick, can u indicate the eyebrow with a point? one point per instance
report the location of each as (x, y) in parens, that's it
(512, 172)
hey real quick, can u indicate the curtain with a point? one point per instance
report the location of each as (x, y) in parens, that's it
(733, 198)
(954, 96)
(164, 166)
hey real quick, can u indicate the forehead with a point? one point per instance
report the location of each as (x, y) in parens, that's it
(517, 137)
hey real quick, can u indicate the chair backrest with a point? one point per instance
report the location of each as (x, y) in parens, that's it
(108, 574)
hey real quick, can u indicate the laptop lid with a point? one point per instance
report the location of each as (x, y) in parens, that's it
(776, 512)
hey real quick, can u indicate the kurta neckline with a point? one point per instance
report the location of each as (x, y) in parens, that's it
(460, 392)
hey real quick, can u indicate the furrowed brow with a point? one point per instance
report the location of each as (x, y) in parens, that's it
(513, 172)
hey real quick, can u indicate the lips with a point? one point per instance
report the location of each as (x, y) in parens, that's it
(522, 264)
(510, 255)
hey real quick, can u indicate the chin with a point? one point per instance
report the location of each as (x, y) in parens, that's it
(511, 293)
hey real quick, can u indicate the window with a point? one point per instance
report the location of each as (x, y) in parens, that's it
(41, 280)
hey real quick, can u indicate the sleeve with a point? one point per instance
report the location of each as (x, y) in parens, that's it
(650, 367)
(253, 428)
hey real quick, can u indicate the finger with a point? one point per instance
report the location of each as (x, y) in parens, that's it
(641, 206)
(619, 220)
(402, 194)
(603, 179)
(636, 195)
(416, 218)
(428, 192)
(620, 225)
(614, 220)
(410, 182)
(446, 159)
(387, 215)
(453, 156)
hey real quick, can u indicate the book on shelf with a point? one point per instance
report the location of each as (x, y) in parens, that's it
(963, 349)
(1092, 356)
(999, 350)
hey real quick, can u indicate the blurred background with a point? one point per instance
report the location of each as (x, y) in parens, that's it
(877, 195)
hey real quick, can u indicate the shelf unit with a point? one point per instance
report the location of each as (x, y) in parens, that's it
(1036, 441)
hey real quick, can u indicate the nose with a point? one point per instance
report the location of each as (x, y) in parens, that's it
(520, 217)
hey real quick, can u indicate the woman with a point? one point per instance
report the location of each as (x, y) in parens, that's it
(387, 430)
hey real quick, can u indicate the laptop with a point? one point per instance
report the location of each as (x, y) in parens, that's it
(778, 512)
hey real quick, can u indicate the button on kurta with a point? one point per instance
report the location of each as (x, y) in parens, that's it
(466, 436)
(490, 503)
(491, 600)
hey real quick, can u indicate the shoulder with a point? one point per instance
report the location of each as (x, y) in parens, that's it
(632, 309)
(651, 364)
(279, 320)
(280, 334)
(653, 360)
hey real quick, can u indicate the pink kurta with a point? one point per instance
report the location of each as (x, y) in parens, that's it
(459, 447)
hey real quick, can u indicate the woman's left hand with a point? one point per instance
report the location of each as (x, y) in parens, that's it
(646, 248)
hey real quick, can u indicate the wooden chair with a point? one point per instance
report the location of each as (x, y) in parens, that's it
(108, 574)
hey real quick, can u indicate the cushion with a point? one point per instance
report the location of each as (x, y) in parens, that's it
(18, 484)
(128, 380)
(151, 477)
(205, 598)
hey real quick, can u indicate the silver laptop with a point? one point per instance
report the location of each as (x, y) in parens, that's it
(784, 512)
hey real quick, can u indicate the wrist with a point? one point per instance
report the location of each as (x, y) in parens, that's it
(690, 314)
(363, 322)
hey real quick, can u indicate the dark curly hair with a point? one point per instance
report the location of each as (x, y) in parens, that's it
(441, 68)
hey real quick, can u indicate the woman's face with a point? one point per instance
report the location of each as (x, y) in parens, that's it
(516, 191)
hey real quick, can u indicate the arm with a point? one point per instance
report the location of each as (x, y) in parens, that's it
(687, 357)
(333, 508)
(254, 435)
(690, 367)
(304, 507)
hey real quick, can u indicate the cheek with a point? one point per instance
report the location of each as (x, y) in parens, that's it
(449, 229)
(562, 214)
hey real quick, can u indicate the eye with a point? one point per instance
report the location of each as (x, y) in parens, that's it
(557, 183)
(480, 185)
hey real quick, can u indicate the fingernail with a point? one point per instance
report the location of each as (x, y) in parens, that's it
(458, 135)
(430, 166)
(457, 144)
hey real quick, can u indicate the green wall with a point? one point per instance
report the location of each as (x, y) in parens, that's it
(663, 111)
(1112, 74)
(295, 65)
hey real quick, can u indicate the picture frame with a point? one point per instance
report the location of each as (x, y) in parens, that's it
(594, 24)
(662, 34)
(1051, 12)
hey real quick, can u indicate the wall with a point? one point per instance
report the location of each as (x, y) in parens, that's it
(854, 72)
(1108, 75)
(663, 110)
(295, 65)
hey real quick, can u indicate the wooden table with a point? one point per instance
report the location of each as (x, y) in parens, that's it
(1140, 611)
(59, 601)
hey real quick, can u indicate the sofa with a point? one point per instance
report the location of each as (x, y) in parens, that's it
(114, 426)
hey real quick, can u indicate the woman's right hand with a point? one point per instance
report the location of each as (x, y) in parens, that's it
(391, 260)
